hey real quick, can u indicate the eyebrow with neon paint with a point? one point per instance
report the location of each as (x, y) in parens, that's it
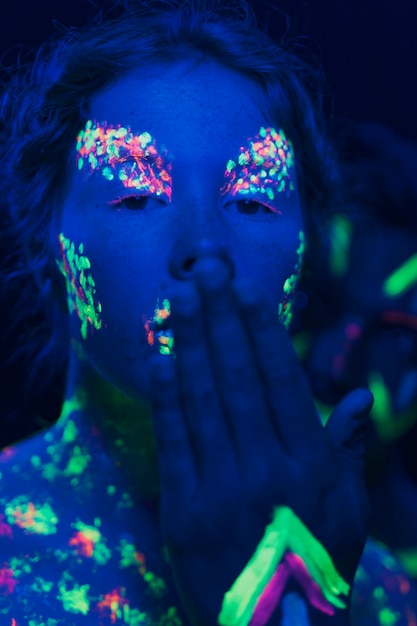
(120, 154)
(401, 279)
(265, 168)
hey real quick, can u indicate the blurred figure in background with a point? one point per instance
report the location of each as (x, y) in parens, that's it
(365, 321)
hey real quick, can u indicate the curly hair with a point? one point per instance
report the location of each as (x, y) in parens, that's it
(45, 104)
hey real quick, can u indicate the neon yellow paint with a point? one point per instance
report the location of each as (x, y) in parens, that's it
(402, 279)
(285, 532)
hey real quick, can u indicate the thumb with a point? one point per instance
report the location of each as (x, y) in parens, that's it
(348, 423)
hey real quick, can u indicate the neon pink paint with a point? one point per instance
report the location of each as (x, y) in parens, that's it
(120, 154)
(292, 566)
(263, 169)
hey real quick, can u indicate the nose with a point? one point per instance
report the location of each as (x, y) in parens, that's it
(185, 254)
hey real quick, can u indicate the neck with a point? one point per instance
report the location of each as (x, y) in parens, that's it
(115, 430)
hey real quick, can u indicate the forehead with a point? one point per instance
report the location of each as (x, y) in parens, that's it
(185, 105)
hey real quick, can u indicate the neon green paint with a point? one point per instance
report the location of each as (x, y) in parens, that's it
(19, 567)
(77, 463)
(341, 231)
(41, 585)
(34, 518)
(379, 594)
(81, 287)
(324, 411)
(382, 407)
(127, 554)
(101, 553)
(285, 532)
(408, 559)
(163, 339)
(156, 584)
(70, 432)
(285, 312)
(388, 618)
(75, 600)
(382, 397)
(170, 618)
(301, 343)
(50, 472)
(402, 279)
(36, 461)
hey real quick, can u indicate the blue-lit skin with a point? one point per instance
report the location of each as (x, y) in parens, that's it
(203, 115)
(139, 255)
(133, 251)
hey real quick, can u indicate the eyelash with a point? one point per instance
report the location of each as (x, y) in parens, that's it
(265, 207)
(136, 199)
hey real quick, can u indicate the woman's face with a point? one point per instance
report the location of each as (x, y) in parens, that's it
(176, 162)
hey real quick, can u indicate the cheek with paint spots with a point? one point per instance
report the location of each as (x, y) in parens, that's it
(285, 312)
(81, 288)
(264, 169)
(156, 335)
(119, 154)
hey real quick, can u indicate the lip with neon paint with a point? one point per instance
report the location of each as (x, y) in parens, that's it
(158, 333)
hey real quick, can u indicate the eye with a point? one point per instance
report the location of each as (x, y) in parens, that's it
(252, 207)
(133, 202)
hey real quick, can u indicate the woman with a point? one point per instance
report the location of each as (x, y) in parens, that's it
(170, 165)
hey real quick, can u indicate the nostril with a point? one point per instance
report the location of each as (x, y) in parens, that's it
(184, 256)
(188, 264)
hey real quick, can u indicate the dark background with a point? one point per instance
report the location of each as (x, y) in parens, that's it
(368, 47)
